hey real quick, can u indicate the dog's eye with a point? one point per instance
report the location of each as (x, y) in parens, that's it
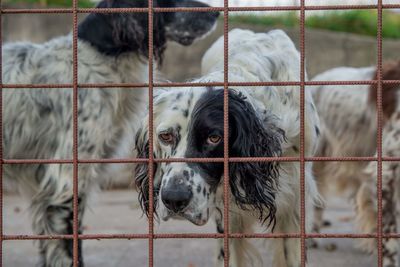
(166, 137)
(214, 139)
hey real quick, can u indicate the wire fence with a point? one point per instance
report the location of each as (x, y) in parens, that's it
(248, 3)
(226, 235)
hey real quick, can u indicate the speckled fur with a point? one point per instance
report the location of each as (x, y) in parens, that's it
(349, 122)
(38, 123)
(253, 57)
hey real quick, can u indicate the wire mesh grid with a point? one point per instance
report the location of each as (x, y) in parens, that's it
(226, 236)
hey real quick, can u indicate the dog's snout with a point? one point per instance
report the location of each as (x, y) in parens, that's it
(177, 195)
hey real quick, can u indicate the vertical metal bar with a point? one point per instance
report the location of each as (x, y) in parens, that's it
(151, 155)
(226, 136)
(226, 236)
(302, 161)
(379, 132)
(1, 134)
(75, 135)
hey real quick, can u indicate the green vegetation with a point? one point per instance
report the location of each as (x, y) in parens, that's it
(355, 21)
(52, 3)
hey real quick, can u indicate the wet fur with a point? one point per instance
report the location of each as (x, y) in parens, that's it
(263, 122)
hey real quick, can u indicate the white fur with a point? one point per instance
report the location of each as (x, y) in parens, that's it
(350, 129)
(253, 57)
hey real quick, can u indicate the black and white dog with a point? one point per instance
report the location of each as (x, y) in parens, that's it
(263, 122)
(37, 123)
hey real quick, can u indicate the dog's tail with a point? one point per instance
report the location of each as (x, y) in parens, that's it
(390, 71)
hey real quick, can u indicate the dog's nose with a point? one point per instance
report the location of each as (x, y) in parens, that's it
(176, 197)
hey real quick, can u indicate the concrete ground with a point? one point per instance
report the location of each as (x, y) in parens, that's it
(118, 212)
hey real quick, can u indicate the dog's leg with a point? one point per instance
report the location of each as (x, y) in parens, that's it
(52, 210)
(241, 252)
(237, 246)
(366, 214)
(390, 176)
(322, 184)
(390, 246)
(236, 257)
(287, 251)
(220, 242)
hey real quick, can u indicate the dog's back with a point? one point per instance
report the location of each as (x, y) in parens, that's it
(38, 122)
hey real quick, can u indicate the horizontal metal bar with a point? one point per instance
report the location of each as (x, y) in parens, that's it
(37, 161)
(177, 160)
(192, 9)
(70, 161)
(197, 236)
(35, 10)
(182, 84)
(36, 237)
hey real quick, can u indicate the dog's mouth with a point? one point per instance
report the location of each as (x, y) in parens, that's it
(195, 218)
(186, 41)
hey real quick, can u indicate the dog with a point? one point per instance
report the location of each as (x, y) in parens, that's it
(349, 128)
(263, 122)
(112, 48)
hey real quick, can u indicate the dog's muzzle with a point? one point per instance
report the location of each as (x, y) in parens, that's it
(177, 195)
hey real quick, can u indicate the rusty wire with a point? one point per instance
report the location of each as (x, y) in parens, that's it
(226, 136)
(75, 197)
(186, 84)
(379, 115)
(302, 138)
(226, 236)
(1, 138)
(151, 141)
(195, 9)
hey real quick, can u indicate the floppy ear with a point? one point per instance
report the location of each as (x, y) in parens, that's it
(116, 33)
(186, 27)
(142, 170)
(390, 71)
(253, 184)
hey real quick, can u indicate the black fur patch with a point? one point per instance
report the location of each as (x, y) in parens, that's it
(221, 254)
(117, 33)
(317, 131)
(253, 184)
(142, 174)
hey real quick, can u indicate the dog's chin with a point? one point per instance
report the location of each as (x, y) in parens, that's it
(196, 219)
(186, 41)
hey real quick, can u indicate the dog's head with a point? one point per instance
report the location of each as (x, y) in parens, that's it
(116, 33)
(189, 123)
(187, 27)
(390, 71)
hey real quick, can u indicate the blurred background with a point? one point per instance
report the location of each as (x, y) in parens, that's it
(349, 36)
(333, 38)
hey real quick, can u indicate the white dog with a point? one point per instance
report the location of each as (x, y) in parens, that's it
(112, 49)
(263, 122)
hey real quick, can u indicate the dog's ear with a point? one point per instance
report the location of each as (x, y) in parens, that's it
(390, 71)
(253, 184)
(142, 170)
(116, 33)
(186, 27)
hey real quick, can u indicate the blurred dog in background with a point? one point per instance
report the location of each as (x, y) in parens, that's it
(349, 128)
(112, 49)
